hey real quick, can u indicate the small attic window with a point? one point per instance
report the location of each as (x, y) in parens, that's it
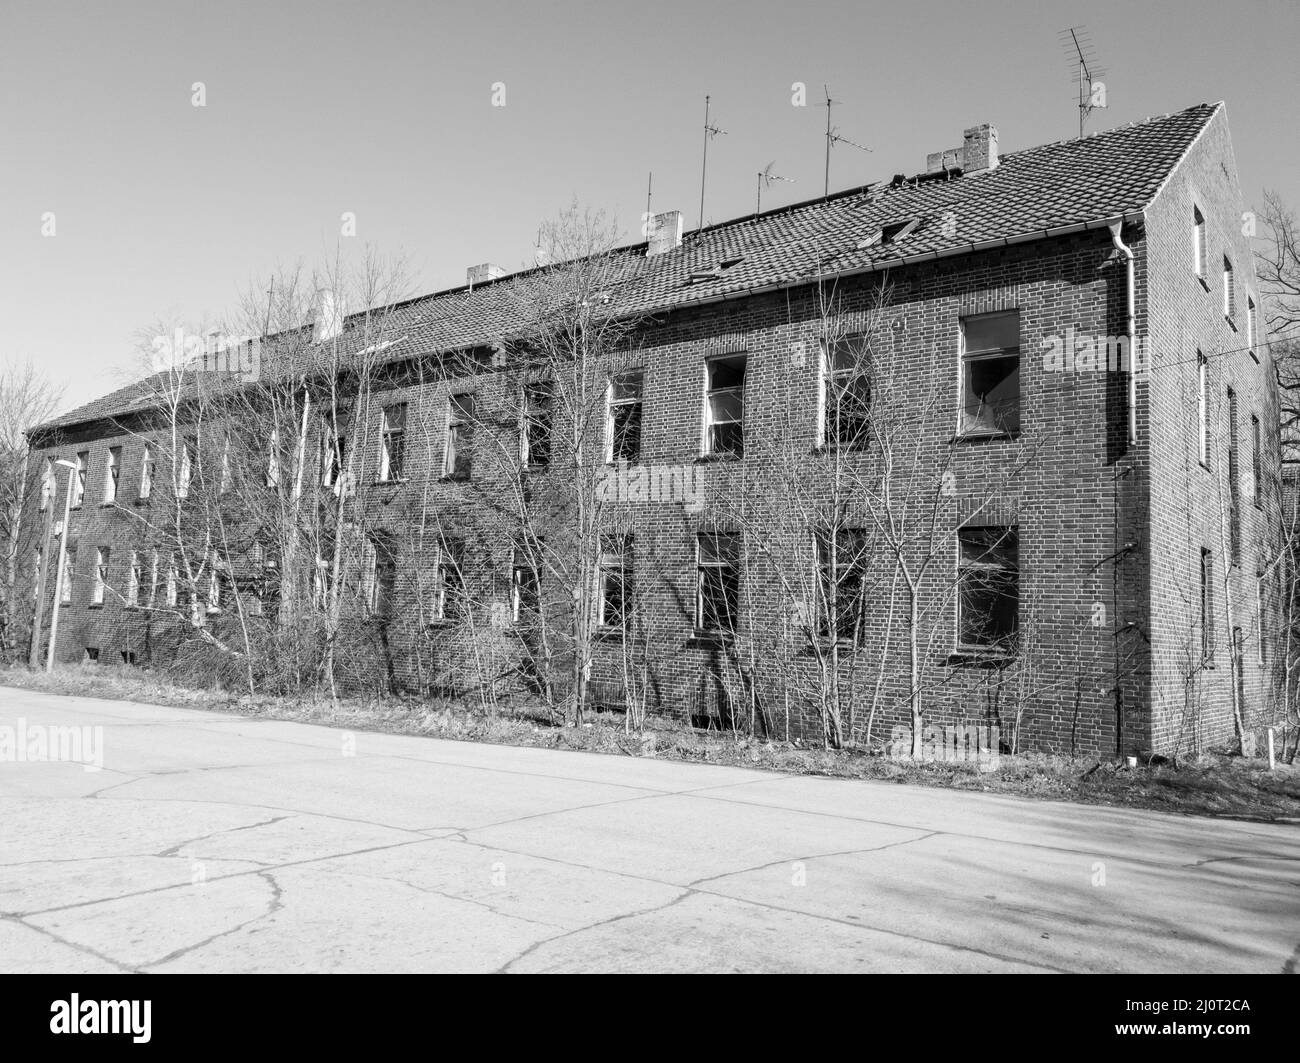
(889, 233)
(712, 273)
(896, 230)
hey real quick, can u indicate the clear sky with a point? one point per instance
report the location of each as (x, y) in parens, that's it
(385, 109)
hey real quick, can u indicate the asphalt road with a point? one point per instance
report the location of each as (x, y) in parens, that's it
(208, 842)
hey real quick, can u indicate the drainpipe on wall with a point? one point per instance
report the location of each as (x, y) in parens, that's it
(1130, 329)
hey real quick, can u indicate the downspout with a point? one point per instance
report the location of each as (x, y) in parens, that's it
(1130, 330)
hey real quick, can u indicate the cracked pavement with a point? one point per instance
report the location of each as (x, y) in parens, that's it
(212, 842)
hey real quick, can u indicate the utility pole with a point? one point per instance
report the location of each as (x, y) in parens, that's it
(58, 575)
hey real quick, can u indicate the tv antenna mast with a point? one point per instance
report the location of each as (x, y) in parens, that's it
(832, 138)
(710, 131)
(1082, 55)
(765, 179)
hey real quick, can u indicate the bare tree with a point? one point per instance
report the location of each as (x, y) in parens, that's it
(27, 398)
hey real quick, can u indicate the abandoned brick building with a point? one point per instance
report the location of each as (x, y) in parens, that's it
(996, 441)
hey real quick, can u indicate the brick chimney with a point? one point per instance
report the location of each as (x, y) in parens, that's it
(665, 233)
(942, 161)
(980, 150)
(482, 273)
(327, 316)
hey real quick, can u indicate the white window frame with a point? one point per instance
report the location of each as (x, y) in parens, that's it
(519, 564)
(102, 555)
(47, 484)
(530, 394)
(386, 433)
(273, 459)
(827, 379)
(186, 473)
(69, 570)
(966, 358)
(1200, 254)
(146, 472)
(611, 402)
(133, 581)
(460, 419)
(225, 484)
(710, 391)
(214, 585)
(720, 564)
(79, 479)
(618, 560)
(1203, 408)
(112, 474)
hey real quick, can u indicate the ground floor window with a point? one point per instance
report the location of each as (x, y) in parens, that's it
(988, 598)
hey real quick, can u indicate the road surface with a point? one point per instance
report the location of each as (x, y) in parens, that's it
(209, 842)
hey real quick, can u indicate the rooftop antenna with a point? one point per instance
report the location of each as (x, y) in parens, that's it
(649, 217)
(832, 138)
(710, 131)
(765, 179)
(270, 294)
(1082, 55)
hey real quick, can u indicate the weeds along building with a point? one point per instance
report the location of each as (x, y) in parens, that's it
(993, 442)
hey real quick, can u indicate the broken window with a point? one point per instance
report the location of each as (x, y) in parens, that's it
(846, 392)
(393, 442)
(47, 484)
(1198, 242)
(525, 588)
(449, 600)
(717, 595)
(146, 472)
(111, 474)
(214, 583)
(841, 591)
(460, 437)
(225, 466)
(1234, 483)
(1207, 606)
(724, 406)
(79, 478)
(69, 568)
(186, 471)
(989, 581)
(1203, 407)
(273, 459)
(333, 459)
(133, 581)
(1256, 466)
(101, 576)
(623, 431)
(535, 439)
(615, 581)
(991, 373)
(383, 576)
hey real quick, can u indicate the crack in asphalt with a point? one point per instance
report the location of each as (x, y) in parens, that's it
(175, 849)
(274, 905)
(77, 946)
(462, 835)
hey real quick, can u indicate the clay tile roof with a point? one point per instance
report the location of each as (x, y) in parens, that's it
(1071, 182)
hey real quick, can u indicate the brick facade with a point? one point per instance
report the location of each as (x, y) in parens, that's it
(1109, 533)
